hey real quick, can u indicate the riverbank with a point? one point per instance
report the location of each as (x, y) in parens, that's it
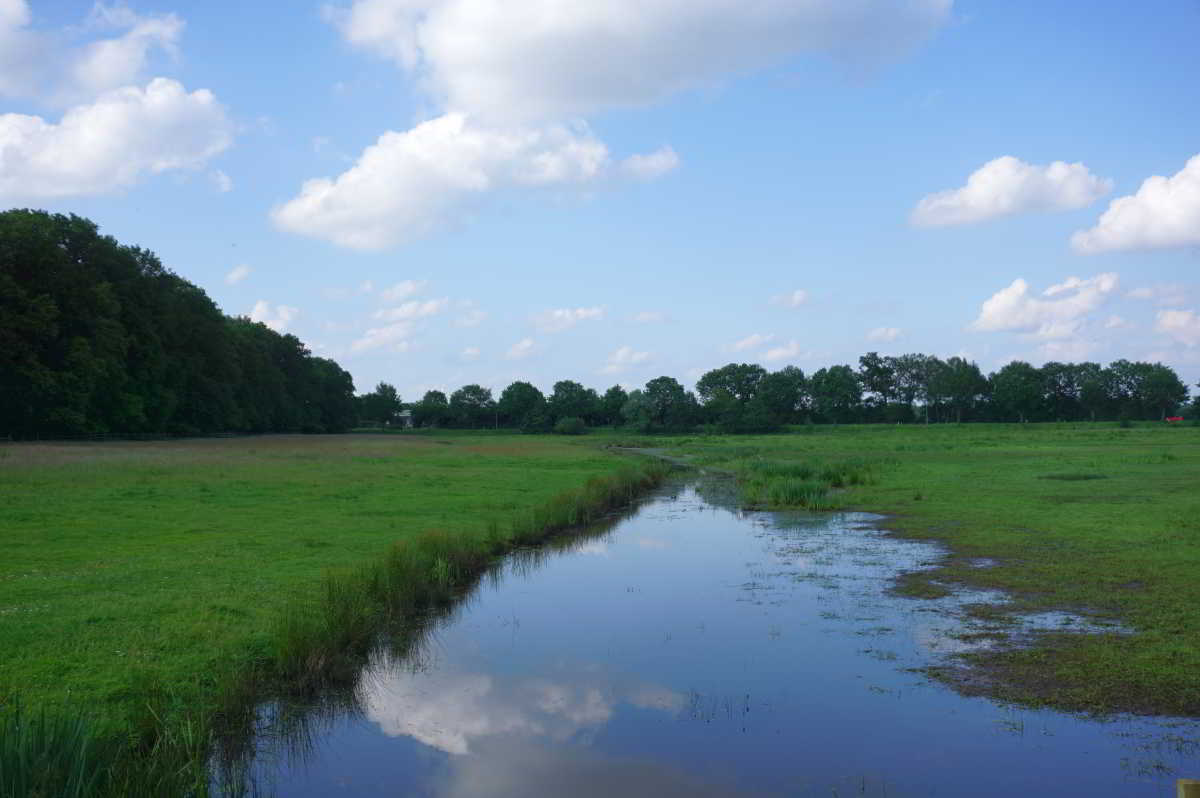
(1094, 519)
(145, 584)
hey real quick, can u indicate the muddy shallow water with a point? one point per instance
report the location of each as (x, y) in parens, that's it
(694, 649)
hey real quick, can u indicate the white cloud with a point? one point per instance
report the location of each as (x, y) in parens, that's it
(752, 341)
(471, 316)
(409, 184)
(277, 319)
(649, 317)
(367, 287)
(51, 67)
(412, 310)
(652, 165)
(222, 181)
(1058, 313)
(789, 351)
(1163, 293)
(536, 59)
(400, 291)
(110, 144)
(110, 63)
(564, 318)
(1163, 214)
(394, 336)
(793, 299)
(1182, 325)
(470, 353)
(1006, 186)
(237, 274)
(1116, 322)
(507, 77)
(622, 359)
(521, 349)
(883, 334)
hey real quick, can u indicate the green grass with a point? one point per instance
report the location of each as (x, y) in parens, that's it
(1090, 518)
(145, 586)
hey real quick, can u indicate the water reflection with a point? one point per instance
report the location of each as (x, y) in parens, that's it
(461, 712)
(698, 649)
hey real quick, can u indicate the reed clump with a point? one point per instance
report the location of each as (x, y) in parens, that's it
(810, 484)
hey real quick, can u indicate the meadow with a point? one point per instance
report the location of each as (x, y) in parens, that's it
(150, 589)
(145, 585)
(1092, 518)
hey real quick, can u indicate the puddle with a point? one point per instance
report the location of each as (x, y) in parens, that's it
(696, 649)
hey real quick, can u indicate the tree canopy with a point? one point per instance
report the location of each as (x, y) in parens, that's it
(96, 337)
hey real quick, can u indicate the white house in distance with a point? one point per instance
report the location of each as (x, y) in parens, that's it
(404, 419)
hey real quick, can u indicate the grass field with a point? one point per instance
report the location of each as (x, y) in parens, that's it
(1092, 518)
(138, 578)
(134, 571)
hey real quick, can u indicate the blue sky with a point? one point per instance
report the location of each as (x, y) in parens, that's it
(437, 192)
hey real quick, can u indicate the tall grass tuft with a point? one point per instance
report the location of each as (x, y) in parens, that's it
(807, 484)
(51, 755)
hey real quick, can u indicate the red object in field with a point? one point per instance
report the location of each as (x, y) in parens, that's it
(1173, 419)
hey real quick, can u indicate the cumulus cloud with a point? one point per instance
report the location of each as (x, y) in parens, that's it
(652, 165)
(1163, 293)
(533, 59)
(1057, 313)
(237, 274)
(412, 310)
(400, 291)
(520, 350)
(1163, 214)
(1182, 325)
(469, 353)
(564, 318)
(622, 359)
(277, 319)
(222, 181)
(109, 63)
(109, 144)
(752, 341)
(792, 299)
(649, 317)
(409, 184)
(513, 82)
(1115, 322)
(789, 351)
(470, 315)
(883, 334)
(77, 64)
(1007, 186)
(393, 336)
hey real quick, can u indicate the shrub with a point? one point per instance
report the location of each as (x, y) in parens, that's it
(570, 426)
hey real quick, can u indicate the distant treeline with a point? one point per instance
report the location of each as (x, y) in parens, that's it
(743, 397)
(100, 337)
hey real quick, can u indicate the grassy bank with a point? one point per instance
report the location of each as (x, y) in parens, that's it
(145, 585)
(1091, 518)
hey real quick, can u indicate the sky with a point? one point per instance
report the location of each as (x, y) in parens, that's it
(442, 192)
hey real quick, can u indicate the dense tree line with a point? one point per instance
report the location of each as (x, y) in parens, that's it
(912, 388)
(100, 337)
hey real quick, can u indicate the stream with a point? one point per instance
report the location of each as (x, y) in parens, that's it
(689, 648)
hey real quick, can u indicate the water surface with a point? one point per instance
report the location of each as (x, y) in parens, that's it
(694, 649)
